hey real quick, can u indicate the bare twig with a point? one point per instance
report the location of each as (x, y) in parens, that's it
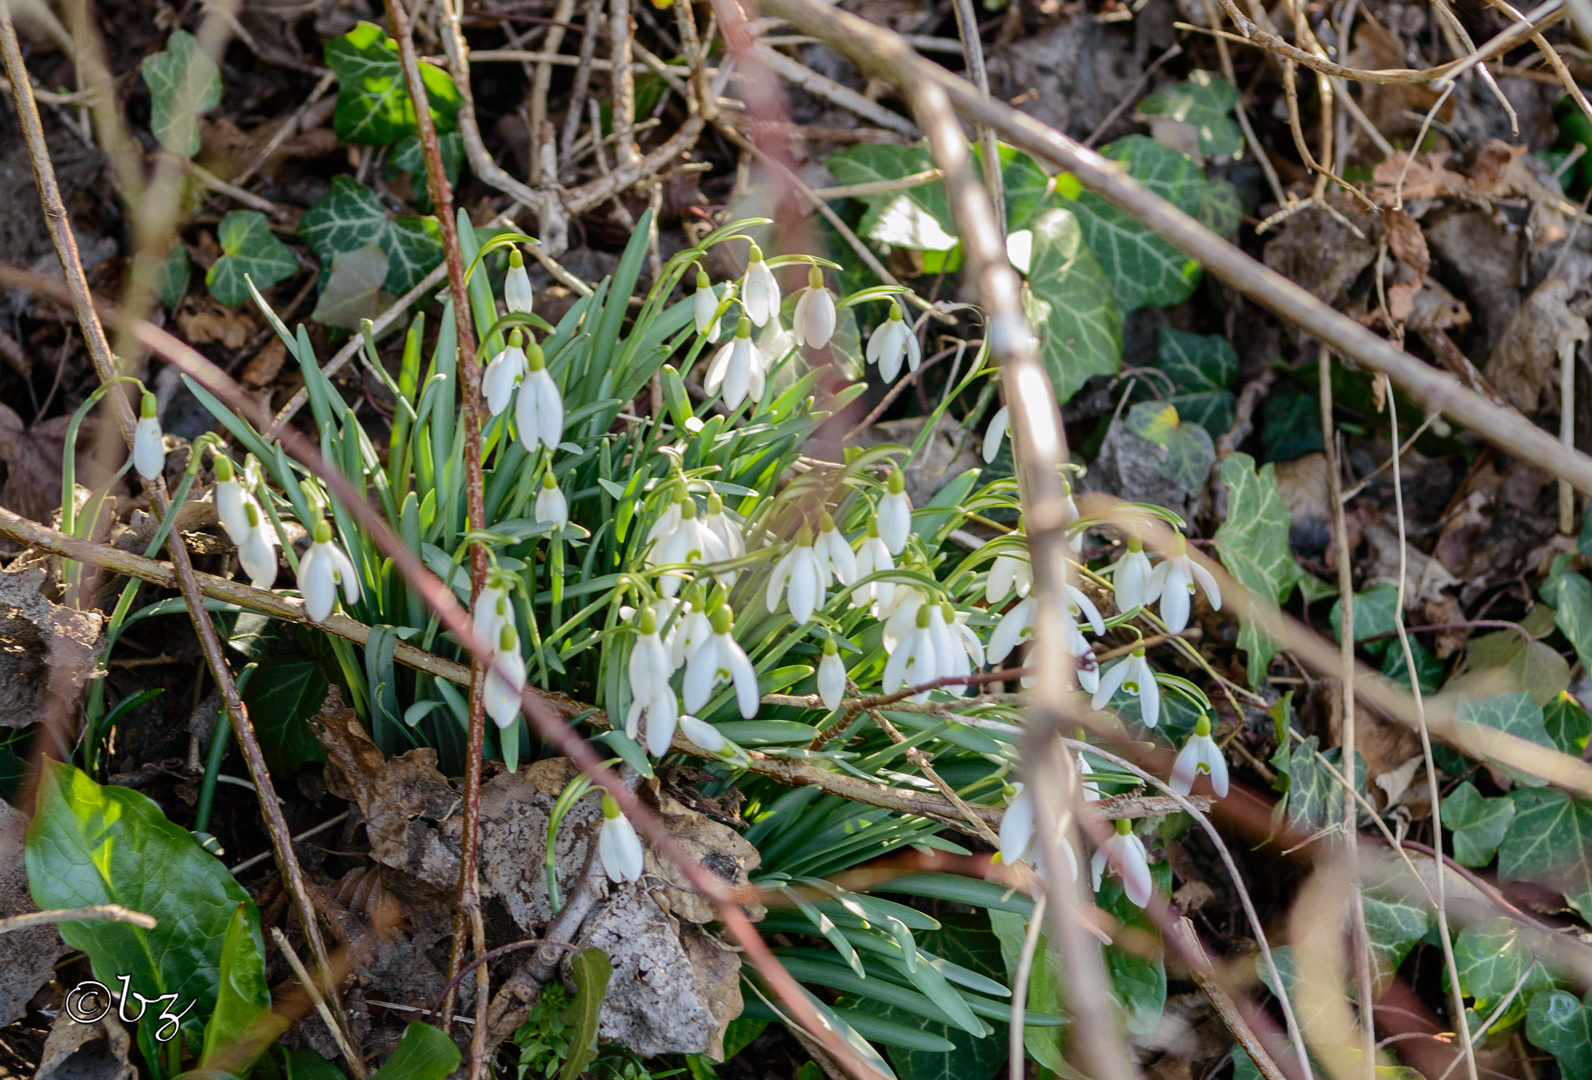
(315, 991)
(96, 913)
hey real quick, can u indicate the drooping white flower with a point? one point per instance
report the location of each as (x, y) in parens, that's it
(1020, 839)
(798, 577)
(1078, 603)
(504, 373)
(738, 367)
(517, 285)
(257, 552)
(900, 615)
(1085, 666)
(149, 447)
(759, 290)
(1008, 572)
(618, 846)
(491, 611)
(1133, 674)
(890, 343)
(1069, 514)
(1200, 755)
(705, 307)
(322, 569)
(725, 528)
(1015, 627)
(667, 522)
(228, 495)
(1124, 853)
(895, 512)
(835, 556)
(999, 425)
(831, 676)
(721, 660)
(702, 733)
(873, 556)
(692, 630)
(551, 506)
(1131, 578)
(962, 637)
(539, 413)
(503, 693)
(691, 543)
(1174, 581)
(814, 321)
(650, 669)
(1086, 780)
(914, 660)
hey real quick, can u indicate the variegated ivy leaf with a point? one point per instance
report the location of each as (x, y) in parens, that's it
(917, 217)
(1201, 367)
(1478, 823)
(251, 250)
(1514, 714)
(183, 82)
(1573, 613)
(1314, 798)
(1189, 450)
(174, 275)
(1253, 544)
(1393, 925)
(1547, 842)
(1205, 101)
(1080, 329)
(1561, 1024)
(373, 105)
(350, 216)
(1491, 958)
(1567, 724)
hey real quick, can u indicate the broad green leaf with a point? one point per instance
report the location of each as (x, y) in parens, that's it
(1505, 660)
(1393, 926)
(250, 249)
(1206, 101)
(1573, 613)
(1222, 209)
(174, 275)
(1515, 714)
(1153, 420)
(183, 82)
(1044, 985)
(1138, 980)
(1478, 823)
(89, 845)
(592, 970)
(353, 289)
(1189, 452)
(1080, 329)
(917, 217)
(373, 105)
(1567, 724)
(1253, 544)
(1561, 1024)
(1290, 425)
(236, 1035)
(1375, 615)
(424, 1053)
(1028, 187)
(1491, 958)
(1428, 668)
(349, 216)
(1547, 842)
(285, 692)
(1144, 270)
(408, 157)
(1201, 368)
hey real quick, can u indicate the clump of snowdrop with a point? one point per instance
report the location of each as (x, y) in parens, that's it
(618, 846)
(551, 506)
(1200, 754)
(517, 285)
(891, 342)
(759, 290)
(322, 569)
(1017, 625)
(721, 660)
(895, 512)
(149, 446)
(651, 696)
(1124, 853)
(1133, 674)
(814, 320)
(1173, 580)
(739, 367)
(504, 373)
(799, 578)
(539, 413)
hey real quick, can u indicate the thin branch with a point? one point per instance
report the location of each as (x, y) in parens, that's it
(96, 913)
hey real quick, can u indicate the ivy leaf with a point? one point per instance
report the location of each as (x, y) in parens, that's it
(174, 275)
(1532, 666)
(409, 157)
(1573, 613)
(1222, 209)
(1547, 842)
(373, 105)
(1027, 186)
(1428, 668)
(1200, 367)
(1290, 425)
(1393, 926)
(1138, 979)
(1514, 714)
(1189, 450)
(1478, 823)
(1144, 270)
(1375, 614)
(1314, 796)
(285, 692)
(183, 82)
(1080, 329)
(1491, 958)
(251, 249)
(353, 289)
(1253, 544)
(1561, 1024)
(918, 217)
(1044, 985)
(349, 216)
(1206, 101)
(1567, 724)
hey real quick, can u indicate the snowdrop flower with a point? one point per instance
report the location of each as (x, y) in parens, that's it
(692, 630)
(873, 556)
(618, 846)
(1091, 789)
(1133, 674)
(691, 543)
(504, 373)
(999, 425)
(650, 669)
(725, 528)
(551, 506)
(1006, 573)
(667, 522)
(738, 367)
(814, 321)
(914, 660)
(702, 733)
(491, 612)
(759, 290)
(149, 448)
(831, 676)
(1085, 666)
(721, 660)
(321, 570)
(539, 413)
(900, 616)
(1200, 755)
(1132, 576)
(834, 555)
(503, 695)
(706, 308)
(1020, 838)
(890, 342)
(1174, 581)
(1069, 513)
(800, 578)
(257, 552)
(1125, 854)
(517, 285)
(229, 498)
(1015, 627)
(895, 512)
(962, 638)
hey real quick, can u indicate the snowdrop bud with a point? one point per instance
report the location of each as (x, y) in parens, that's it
(517, 285)
(551, 506)
(702, 733)
(760, 293)
(1131, 578)
(895, 513)
(999, 425)
(814, 321)
(539, 414)
(705, 306)
(149, 449)
(257, 551)
(618, 846)
(503, 694)
(831, 676)
(1200, 754)
(229, 502)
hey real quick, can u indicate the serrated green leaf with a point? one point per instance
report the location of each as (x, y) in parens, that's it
(1547, 842)
(1201, 367)
(1253, 544)
(174, 275)
(353, 288)
(1515, 714)
(373, 105)
(1080, 329)
(1206, 101)
(251, 249)
(1393, 926)
(1478, 823)
(1560, 1023)
(1567, 724)
(350, 216)
(1491, 958)
(1144, 270)
(183, 82)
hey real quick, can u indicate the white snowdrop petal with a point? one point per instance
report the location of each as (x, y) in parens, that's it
(832, 680)
(149, 451)
(744, 676)
(999, 424)
(702, 733)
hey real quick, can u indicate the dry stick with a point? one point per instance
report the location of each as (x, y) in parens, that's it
(847, 98)
(312, 988)
(577, 98)
(624, 85)
(1016, 1062)
(701, 95)
(105, 366)
(1138, 88)
(1456, 996)
(540, 83)
(437, 184)
(96, 913)
(281, 133)
(988, 144)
